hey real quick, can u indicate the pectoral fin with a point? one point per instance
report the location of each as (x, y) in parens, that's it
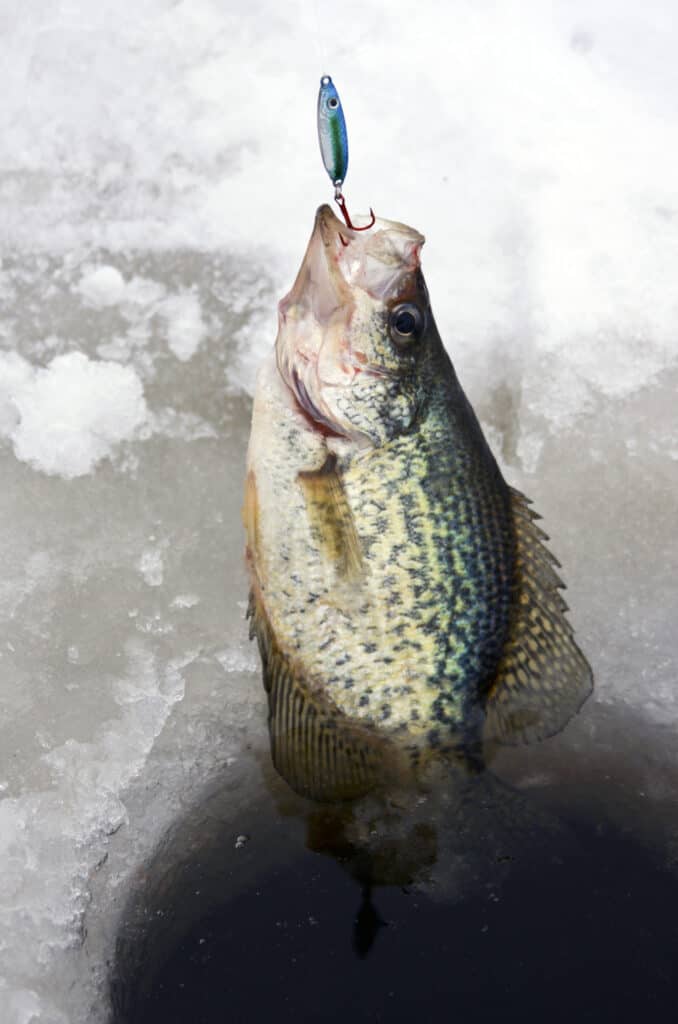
(331, 520)
(543, 678)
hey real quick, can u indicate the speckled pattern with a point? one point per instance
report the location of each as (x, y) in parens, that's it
(408, 640)
(401, 591)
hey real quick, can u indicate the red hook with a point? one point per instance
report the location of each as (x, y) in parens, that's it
(341, 203)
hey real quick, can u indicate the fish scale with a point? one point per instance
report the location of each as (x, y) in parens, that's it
(441, 586)
(405, 606)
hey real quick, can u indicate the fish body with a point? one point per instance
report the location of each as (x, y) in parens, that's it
(332, 134)
(404, 603)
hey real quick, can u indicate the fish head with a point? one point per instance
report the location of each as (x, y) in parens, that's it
(355, 328)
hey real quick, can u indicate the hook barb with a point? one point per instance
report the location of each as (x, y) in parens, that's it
(341, 203)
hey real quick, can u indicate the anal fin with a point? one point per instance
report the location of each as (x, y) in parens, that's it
(321, 754)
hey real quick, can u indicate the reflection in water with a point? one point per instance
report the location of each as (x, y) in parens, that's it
(367, 924)
(543, 903)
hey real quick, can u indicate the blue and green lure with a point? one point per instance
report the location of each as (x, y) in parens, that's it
(333, 139)
(332, 133)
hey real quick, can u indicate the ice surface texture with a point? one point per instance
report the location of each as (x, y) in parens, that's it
(158, 180)
(122, 596)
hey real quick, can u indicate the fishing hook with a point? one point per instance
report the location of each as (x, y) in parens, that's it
(341, 203)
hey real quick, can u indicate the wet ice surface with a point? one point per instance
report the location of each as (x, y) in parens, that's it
(123, 587)
(127, 681)
(150, 222)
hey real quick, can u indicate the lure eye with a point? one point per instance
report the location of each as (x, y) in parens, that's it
(406, 323)
(333, 103)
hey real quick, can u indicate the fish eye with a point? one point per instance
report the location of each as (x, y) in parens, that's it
(333, 103)
(406, 323)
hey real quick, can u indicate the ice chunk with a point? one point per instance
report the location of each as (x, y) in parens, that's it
(104, 286)
(185, 326)
(65, 418)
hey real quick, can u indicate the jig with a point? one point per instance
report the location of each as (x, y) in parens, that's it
(333, 139)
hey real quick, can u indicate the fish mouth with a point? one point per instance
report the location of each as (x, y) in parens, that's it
(319, 289)
(333, 230)
(313, 318)
(317, 352)
(380, 260)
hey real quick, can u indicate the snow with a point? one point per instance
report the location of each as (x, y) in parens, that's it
(103, 286)
(65, 418)
(158, 181)
(185, 326)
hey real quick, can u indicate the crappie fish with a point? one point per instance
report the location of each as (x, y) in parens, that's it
(405, 606)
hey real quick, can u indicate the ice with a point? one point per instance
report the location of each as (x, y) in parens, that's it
(158, 181)
(150, 566)
(185, 326)
(65, 418)
(122, 596)
(104, 286)
(185, 601)
(46, 867)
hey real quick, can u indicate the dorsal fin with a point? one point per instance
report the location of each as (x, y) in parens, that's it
(321, 754)
(543, 678)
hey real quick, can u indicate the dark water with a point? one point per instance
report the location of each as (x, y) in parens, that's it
(551, 903)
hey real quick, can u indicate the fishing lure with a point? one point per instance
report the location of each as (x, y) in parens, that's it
(333, 139)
